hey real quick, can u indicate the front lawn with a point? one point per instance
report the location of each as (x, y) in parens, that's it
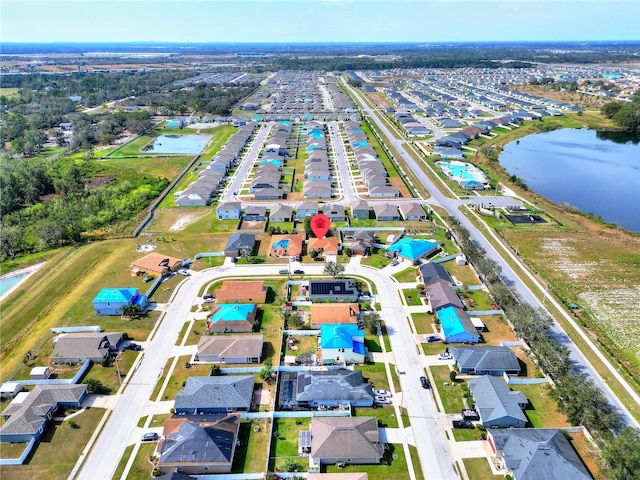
(408, 275)
(411, 297)
(397, 470)
(60, 442)
(479, 469)
(451, 395)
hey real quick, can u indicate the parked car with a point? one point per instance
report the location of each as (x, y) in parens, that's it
(425, 382)
(470, 415)
(364, 296)
(148, 278)
(463, 424)
(380, 400)
(284, 271)
(133, 346)
(299, 272)
(445, 356)
(184, 272)
(433, 338)
(395, 263)
(382, 393)
(149, 437)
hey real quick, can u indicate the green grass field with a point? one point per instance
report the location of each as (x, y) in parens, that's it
(60, 442)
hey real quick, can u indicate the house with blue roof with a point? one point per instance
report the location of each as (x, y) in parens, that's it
(111, 301)
(232, 317)
(457, 326)
(413, 248)
(342, 343)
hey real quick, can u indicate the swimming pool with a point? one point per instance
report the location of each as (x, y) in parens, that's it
(463, 173)
(178, 144)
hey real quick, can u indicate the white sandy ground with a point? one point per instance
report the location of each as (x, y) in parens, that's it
(183, 222)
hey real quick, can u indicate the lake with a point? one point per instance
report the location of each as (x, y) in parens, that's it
(596, 172)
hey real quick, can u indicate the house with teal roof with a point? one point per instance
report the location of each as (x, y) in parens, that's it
(342, 344)
(413, 248)
(232, 317)
(457, 326)
(111, 301)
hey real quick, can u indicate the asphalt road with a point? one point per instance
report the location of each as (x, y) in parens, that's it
(509, 277)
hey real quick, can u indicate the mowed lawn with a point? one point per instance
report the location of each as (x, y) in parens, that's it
(56, 454)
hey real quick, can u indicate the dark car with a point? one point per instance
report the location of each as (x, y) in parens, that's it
(133, 346)
(425, 382)
(299, 272)
(433, 338)
(463, 424)
(149, 437)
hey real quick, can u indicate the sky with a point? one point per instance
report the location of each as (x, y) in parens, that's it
(318, 20)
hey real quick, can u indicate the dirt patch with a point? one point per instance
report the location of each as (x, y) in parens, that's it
(399, 184)
(100, 181)
(183, 222)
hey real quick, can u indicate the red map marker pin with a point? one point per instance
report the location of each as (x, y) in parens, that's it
(320, 225)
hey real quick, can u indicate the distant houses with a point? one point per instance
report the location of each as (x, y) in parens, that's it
(111, 301)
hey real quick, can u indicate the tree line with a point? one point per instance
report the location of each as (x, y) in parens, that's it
(625, 114)
(578, 397)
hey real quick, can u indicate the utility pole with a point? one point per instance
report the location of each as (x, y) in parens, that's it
(118, 370)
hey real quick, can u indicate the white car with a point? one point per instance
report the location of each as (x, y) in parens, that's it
(380, 400)
(382, 393)
(184, 273)
(444, 356)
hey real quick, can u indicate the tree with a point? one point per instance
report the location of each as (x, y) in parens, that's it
(130, 311)
(96, 386)
(371, 321)
(215, 370)
(621, 455)
(267, 374)
(245, 252)
(307, 227)
(452, 375)
(334, 269)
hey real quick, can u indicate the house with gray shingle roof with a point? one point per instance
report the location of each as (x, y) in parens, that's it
(536, 453)
(199, 444)
(434, 272)
(281, 213)
(28, 415)
(350, 440)
(412, 211)
(384, 191)
(229, 210)
(238, 241)
(215, 395)
(230, 348)
(360, 210)
(489, 360)
(306, 209)
(496, 404)
(74, 348)
(330, 388)
(386, 212)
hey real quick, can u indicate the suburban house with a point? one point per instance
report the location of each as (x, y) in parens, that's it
(268, 194)
(156, 263)
(198, 444)
(441, 295)
(238, 291)
(254, 213)
(412, 211)
(457, 326)
(74, 348)
(386, 212)
(306, 209)
(360, 210)
(342, 343)
(232, 317)
(218, 394)
(384, 191)
(434, 272)
(335, 213)
(289, 245)
(489, 360)
(111, 301)
(239, 241)
(342, 290)
(348, 440)
(230, 348)
(413, 248)
(28, 414)
(535, 453)
(327, 313)
(194, 197)
(496, 404)
(328, 388)
(326, 245)
(229, 211)
(281, 213)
